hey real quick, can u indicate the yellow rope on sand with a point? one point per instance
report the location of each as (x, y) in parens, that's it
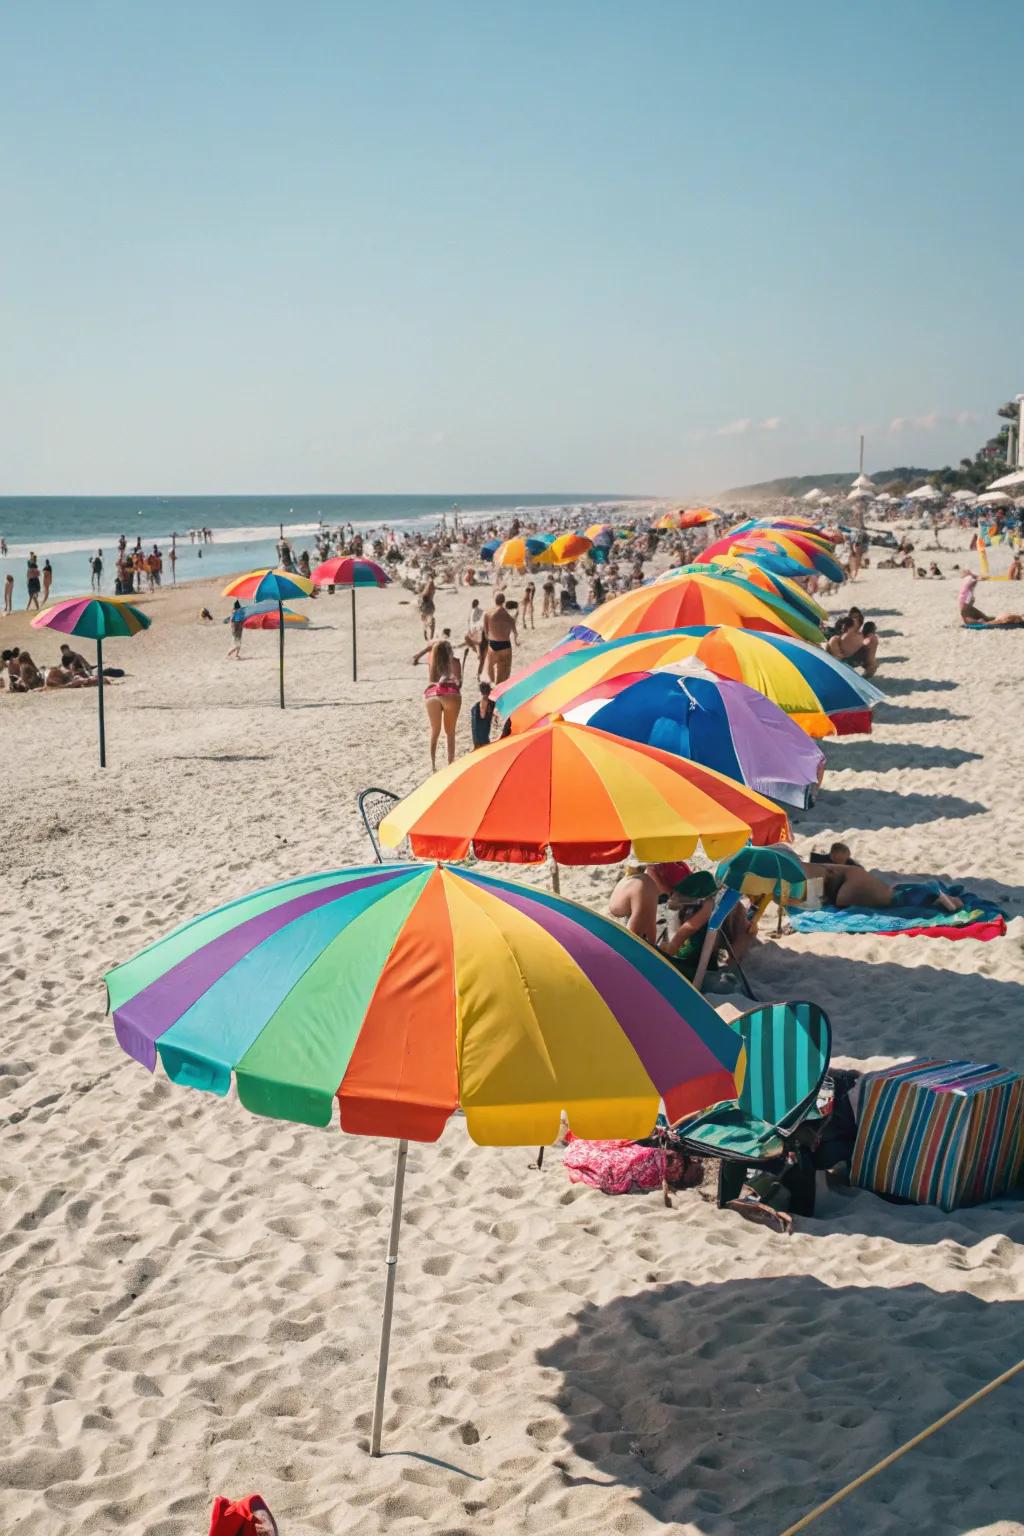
(880, 1466)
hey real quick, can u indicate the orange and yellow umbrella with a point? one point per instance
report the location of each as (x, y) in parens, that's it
(520, 552)
(568, 547)
(585, 795)
(694, 599)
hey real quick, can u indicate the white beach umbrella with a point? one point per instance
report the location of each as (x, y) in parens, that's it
(812, 495)
(995, 499)
(860, 495)
(965, 497)
(863, 482)
(925, 493)
(1006, 481)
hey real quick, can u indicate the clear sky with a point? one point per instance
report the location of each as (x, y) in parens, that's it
(444, 245)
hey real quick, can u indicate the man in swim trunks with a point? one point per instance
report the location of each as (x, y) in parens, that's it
(499, 632)
(847, 885)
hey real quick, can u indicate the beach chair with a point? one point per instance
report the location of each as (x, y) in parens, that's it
(374, 805)
(725, 902)
(788, 1049)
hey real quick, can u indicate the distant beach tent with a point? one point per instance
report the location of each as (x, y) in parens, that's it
(995, 499)
(864, 482)
(94, 618)
(346, 574)
(270, 586)
(968, 498)
(860, 494)
(1009, 482)
(814, 495)
(925, 493)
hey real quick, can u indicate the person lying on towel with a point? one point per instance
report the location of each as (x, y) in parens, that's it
(847, 885)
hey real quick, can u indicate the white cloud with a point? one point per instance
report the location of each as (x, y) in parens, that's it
(931, 421)
(738, 428)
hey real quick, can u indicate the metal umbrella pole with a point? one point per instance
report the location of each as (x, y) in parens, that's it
(99, 700)
(389, 1298)
(280, 623)
(353, 634)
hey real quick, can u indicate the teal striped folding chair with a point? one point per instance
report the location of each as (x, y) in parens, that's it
(788, 1049)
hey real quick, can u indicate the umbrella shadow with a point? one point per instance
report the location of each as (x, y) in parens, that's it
(866, 809)
(915, 1009)
(886, 756)
(913, 714)
(919, 685)
(738, 1405)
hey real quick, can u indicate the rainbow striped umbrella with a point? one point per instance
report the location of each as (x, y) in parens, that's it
(600, 533)
(824, 696)
(346, 573)
(520, 552)
(694, 599)
(274, 586)
(94, 618)
(735, 568)
(802, 550)
(584, 795)
(392, 995)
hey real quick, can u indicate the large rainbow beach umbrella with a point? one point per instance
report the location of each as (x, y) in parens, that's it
(694, 599)
(271, 586)
(99, 619)
(390, 996)
(824, 696)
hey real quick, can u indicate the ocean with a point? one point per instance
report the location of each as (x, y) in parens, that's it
(68, 530)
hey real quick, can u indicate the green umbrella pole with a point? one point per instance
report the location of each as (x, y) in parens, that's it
(353, 634)
(280, 632)
(99, 700)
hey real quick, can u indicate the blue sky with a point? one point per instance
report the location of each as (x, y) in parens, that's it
(467, 244)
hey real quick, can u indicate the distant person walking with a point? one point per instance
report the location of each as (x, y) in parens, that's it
(47, 579)
(8, 593)
(237, 625)
(97, 571)
(33, 583)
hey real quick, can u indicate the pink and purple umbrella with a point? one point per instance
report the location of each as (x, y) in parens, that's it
(97, 618)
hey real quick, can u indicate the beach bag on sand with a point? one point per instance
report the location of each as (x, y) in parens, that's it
(243, 1517)
(626, 1167)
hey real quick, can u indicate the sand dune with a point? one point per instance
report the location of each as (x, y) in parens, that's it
(190, 1295)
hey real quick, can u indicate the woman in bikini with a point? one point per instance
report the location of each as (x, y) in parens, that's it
(443, 698)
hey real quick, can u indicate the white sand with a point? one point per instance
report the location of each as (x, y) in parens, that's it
(190, 1295)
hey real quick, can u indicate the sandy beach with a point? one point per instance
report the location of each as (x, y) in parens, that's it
(190, 1295)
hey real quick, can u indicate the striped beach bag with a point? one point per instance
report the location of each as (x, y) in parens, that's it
(945, 1133)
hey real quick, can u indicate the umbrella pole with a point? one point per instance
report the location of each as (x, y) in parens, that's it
(556, 885)
(353, 634)
(99, 700)
(707, 949)
(389, 1298)
(280, 632)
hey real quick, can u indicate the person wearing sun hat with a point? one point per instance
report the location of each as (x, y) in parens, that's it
(693, 901)
(634, 901)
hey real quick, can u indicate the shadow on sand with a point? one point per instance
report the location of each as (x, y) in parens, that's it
(885, 756)
(738, 1406)
(916, 1008)
(913, 714)
(866, 809)
(897, 685)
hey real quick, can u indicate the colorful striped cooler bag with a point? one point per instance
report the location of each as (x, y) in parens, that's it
(945, 1133)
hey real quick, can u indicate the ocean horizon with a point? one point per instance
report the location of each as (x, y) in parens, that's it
(68, 530)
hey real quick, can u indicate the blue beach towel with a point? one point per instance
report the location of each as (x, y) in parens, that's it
(915, 909)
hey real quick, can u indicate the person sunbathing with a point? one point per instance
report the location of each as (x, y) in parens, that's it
(847, 885)
(856, 644)
(29, 676)
(63, 677)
